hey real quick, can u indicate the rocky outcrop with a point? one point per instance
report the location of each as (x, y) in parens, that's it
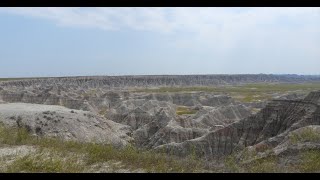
(290, 152)
(61, 122)
(150, 117)
(114, 82)
(270, 125)
(188, 99)
(40, 97)
(155, 123)
(221, 115)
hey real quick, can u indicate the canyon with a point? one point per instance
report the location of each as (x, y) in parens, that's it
(167, 113)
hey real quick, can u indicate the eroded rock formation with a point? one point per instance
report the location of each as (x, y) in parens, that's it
(161, 80)
(68, 124)
(270, 127)
(214, 125)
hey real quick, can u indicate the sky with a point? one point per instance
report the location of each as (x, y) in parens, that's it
(42, 42)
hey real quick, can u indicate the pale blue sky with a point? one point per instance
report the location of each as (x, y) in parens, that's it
(122, 41)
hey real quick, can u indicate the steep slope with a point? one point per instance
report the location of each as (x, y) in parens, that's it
(270, 125)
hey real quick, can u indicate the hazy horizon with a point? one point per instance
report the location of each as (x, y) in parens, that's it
(61, 42)
(152, 75)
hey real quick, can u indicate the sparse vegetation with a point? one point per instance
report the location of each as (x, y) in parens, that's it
(14, 136)
(54, 153)
(89, 93)
(185, 110)
(48, 161)
(307, 135)
(265, 165)
(249, 163)
(244, 93)
(13, 79)
(9, 79)
(310, 161)
(103, 111)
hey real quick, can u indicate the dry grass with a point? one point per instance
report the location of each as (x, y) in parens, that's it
(47, 161)
(55, 156)
(307, 135)
(184, 110)
(244, 93)
(310, 162)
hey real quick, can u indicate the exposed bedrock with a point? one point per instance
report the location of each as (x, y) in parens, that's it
(189, 99)
(271, 125)
(210, 125)
(221, 116)
(160, 80)
(99, 99)
(151, 119)
(68, 124)
(155, 122)
(43, 98)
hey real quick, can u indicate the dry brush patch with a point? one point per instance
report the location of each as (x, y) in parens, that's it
(55, 155)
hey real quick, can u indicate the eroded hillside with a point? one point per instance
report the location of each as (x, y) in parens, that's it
(168, 113)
